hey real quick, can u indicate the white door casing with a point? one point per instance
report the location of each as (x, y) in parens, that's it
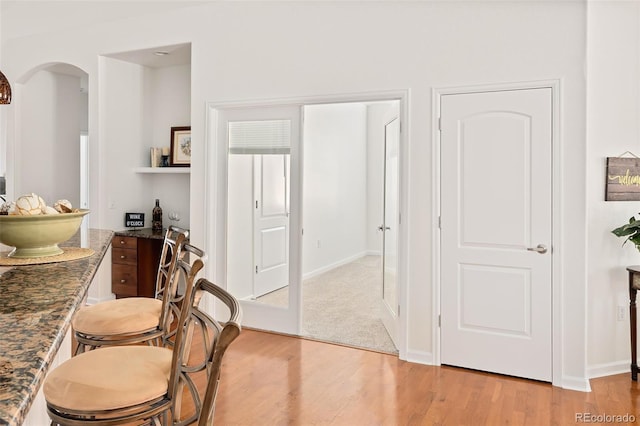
(496, 209)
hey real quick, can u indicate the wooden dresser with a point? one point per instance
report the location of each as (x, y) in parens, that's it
(135, 256)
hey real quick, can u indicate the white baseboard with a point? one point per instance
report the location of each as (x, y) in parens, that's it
(419, 357)
(94, 300)
(575, 383)
(609, 369)
(568, 382)
(333, 265)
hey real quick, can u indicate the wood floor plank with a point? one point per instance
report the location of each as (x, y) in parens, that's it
(270, 379)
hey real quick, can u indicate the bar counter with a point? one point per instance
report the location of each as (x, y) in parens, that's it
(37, 303)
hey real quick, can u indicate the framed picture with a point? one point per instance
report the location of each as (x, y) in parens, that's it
(180, 147)
(623, 179)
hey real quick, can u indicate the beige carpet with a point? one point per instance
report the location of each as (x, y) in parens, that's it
(342, 305)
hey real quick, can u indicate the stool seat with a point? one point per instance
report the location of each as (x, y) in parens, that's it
(133, 315)
(135, 320)
(110, 378)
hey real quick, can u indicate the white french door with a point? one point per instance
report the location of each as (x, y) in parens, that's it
(496, 217)
(263, 212)
(389, 228)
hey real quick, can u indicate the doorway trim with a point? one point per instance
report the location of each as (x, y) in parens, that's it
(215, 198)
(557, 284)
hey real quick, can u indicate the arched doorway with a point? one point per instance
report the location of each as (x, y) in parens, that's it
(51, 135)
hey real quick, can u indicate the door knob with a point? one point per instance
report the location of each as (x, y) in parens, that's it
(540, 248)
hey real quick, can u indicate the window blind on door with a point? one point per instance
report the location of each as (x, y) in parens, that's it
(260, 137)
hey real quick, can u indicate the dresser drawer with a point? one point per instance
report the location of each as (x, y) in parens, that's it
(124, 242)
(124, 256)
(124, 279)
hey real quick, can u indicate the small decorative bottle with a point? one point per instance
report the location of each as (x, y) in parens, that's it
(156, 214)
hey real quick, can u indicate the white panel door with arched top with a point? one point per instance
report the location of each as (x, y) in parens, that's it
(496, 217)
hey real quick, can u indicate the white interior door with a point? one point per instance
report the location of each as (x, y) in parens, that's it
(496, 216)
(389, 228)
(271, 223)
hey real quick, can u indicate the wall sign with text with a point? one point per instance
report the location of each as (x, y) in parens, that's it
(623, 179)
(134, 220)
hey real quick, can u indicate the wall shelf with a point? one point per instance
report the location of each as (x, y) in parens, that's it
(163, 170)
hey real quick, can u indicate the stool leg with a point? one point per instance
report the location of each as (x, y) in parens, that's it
(633, 327)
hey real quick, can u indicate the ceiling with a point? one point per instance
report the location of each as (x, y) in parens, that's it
(157, 57)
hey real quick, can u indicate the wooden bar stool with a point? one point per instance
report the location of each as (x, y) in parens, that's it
(135, 319)
(134, 384)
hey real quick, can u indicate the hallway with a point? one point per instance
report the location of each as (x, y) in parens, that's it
(342, 306)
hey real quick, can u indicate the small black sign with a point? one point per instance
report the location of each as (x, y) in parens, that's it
(134, 220)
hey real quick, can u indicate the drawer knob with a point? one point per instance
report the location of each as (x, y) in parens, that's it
(121, 241)
(123, 281)
(123, 256)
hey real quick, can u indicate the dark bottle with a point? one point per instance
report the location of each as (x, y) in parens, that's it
(156, 225)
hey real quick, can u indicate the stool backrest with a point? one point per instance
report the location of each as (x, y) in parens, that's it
(191, 359)
(174, 237)
(171, 252)
(190, 261)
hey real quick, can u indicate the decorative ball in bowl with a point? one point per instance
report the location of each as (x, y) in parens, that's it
(38, 235)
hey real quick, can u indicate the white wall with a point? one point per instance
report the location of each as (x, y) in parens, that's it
(123, 137)
(335, 186)
(73, 14)
(272, 50)
(144, 104)
(168, 97)
(613, 118)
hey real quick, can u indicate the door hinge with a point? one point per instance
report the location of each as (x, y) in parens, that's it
(439, 222)
(256, 204)
(439, 320)
(399, 218)
(256, 269)
(398, 310)
(439, 124)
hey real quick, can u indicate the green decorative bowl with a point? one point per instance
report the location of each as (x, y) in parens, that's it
(38, 235)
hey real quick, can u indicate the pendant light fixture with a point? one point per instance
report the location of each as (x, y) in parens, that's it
(5, 90)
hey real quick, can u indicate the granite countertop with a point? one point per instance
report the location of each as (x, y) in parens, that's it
(37, 303)
(142, 233)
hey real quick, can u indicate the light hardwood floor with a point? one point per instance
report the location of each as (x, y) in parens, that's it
(270, 379)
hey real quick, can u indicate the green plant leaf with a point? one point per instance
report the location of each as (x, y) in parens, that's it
(631, 231)
(635, 239)
(627, 229)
